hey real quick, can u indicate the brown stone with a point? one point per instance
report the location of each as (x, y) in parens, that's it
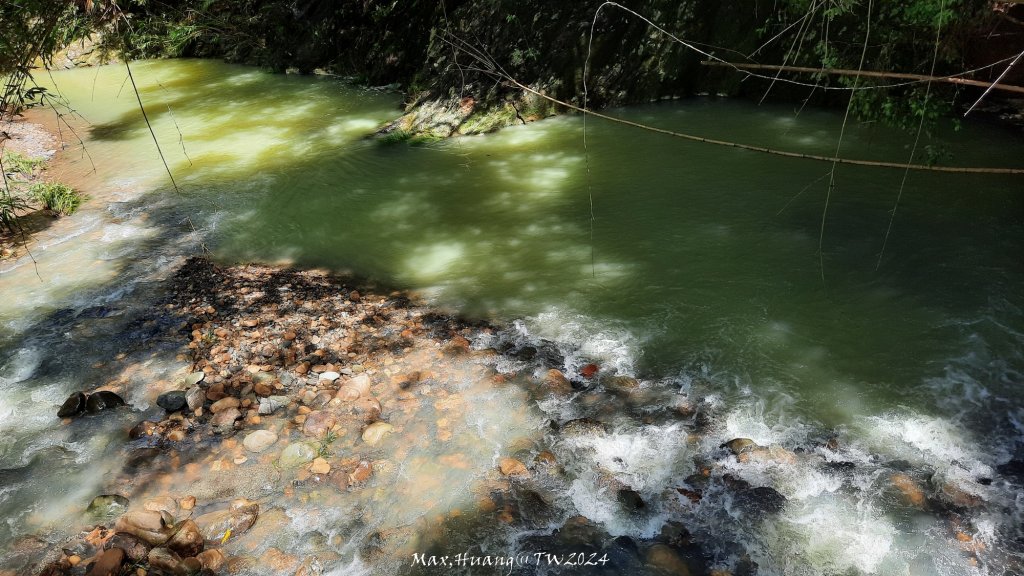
(225, 404)
(556, 382)
(144, 428)
(215, 525)
(215, 392)
(187, 541)
(362, 473)
(212, 560)
(187, 503)
(666, 561)
(147, 525)
(512, 467)
(108, 563)
(911, 492)
(320, 466)
(589, 371)
(262, 389)
(225, 420)
(164, 559)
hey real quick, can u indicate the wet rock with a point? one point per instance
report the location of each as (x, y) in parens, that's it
(297, 454)
(320, 466)
(142, 429)
(674, 534)
(151, 527)
(259, 440)
(376, 432)
(318, 423)
(630, 499)
(195, 397)
(622, 384)
(272, 404)
(194, 378)
(211, 560)
(512, 467)
(215, 392)
(589, 371)
(741, 445)
(108, 563)
(73, 406)
(363, 471)
(162, 504)
(107, 506)
(546, 457)
(955, 493)
(556, 382)
(225, 404)
(191, 566)
(164, 559)
(103, 400)
(215, 525)
(321, 400)
(759, 502)
(912, 493)
(225, 420)
(666, 561)
(188, 540)
(583, 427)
(174, 401)
(134, 547)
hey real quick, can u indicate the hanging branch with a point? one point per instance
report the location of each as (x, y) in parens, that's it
(918, 78)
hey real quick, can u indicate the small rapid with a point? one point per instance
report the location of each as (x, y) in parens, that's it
(692, 376)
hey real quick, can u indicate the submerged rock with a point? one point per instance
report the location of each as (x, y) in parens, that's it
(759, 502)
(225, 420)
(259, 440)
(173, 401)
(73, 406)
(376, 432)
(107, 506)
(512, 467)
(215, 525)
(297, 454)
(103, 400)
(630, 499)
(666, 561)
(195, 397)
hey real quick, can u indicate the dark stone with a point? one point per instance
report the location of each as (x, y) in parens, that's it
(630, 499)
(103, 400)
(735, 483)
(759, 502)
(172, 401)
(73, 406)
(135, 547)
(108, 563)
(1014, 469)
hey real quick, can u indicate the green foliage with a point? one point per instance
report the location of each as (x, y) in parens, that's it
(56, 197)
(16, 164)
(324, 449)
(10, 205)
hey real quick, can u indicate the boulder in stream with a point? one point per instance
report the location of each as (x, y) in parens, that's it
(73, 406)
(173, 401)
(103, 400)
(108, 563)
(237, 519)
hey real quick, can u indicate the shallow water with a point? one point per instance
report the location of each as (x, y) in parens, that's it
(702, 270)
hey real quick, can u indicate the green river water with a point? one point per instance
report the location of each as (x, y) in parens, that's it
(697, 268)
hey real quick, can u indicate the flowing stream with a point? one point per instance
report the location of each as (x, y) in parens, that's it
(708, 273)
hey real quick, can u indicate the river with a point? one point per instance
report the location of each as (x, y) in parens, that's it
(708, 273)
